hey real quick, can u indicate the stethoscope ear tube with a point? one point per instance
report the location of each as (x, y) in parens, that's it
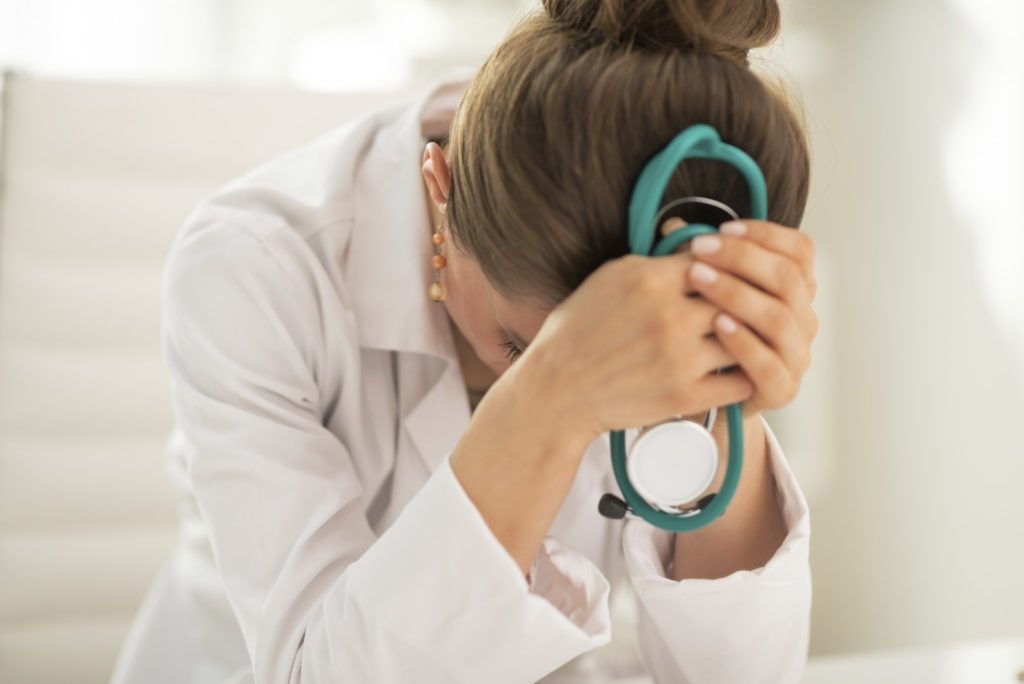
(699, 141)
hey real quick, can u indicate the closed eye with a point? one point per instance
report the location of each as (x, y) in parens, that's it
(512, 351)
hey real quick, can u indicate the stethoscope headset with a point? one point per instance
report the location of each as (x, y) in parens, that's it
(670, 466)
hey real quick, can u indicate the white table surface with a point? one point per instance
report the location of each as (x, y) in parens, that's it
(988, 662)
(974, 662)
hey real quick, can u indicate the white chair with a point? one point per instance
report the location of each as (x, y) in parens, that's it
(96, 180)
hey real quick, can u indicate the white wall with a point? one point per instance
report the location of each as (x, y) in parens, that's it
(334, 45)
(915, 112)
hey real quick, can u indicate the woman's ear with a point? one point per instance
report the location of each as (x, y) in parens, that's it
(436, 174)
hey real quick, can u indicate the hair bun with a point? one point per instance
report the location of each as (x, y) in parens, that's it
(726, 27)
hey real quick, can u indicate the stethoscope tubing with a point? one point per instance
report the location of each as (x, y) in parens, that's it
(699, 141)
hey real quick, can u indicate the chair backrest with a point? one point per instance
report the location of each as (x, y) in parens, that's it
(96, 180)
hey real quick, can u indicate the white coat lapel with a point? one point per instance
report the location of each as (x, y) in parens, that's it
(388, 272)
(441, 416)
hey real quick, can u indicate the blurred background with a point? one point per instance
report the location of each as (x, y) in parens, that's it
(118, 116)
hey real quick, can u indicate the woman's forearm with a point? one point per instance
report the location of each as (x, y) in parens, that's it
(750, 530)
(518, 458)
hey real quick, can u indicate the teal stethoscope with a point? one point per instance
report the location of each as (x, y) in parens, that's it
(670, 466)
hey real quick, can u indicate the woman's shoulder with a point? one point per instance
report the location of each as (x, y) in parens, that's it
(326, 234)
(259, 249)
(304, 204)
(301, 190)
(247, 296)
(290, 217)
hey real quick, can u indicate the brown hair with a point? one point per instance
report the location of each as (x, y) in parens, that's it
(555, 127)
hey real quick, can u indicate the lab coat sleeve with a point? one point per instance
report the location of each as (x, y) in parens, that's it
(750, 626)
(318, 596)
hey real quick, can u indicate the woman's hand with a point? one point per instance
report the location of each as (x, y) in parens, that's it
(629, 348)
(762, 279)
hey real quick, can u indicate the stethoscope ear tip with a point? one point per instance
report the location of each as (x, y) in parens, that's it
(611, 506)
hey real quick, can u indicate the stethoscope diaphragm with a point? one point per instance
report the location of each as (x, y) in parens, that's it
(673, 464)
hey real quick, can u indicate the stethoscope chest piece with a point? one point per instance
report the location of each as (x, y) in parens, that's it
(672, 464)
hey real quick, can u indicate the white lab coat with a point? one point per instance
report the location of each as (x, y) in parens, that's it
(324, 537)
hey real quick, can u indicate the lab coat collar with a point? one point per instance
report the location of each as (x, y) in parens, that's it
(389, 273)
(388, 267)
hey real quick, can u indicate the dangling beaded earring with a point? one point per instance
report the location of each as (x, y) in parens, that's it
(437, 291)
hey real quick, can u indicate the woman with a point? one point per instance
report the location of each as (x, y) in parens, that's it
(375, 488)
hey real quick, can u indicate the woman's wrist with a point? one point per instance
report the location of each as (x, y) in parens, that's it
(551, 407)
(518, 459)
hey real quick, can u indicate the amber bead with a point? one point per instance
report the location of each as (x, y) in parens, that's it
(437, 292)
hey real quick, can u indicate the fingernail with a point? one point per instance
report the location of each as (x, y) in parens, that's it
(703, 273)
(733, 228)
(726, 322)
(705, 244)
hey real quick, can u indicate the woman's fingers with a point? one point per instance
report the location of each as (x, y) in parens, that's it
(752, 284)
(685, 260)
(772, 319)
(683, 250)
(777, 383)
(674, 223)
(796, 244)
(728, 387)
(695, 314)
(776, 258)
(775, 273)
(712, 355)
